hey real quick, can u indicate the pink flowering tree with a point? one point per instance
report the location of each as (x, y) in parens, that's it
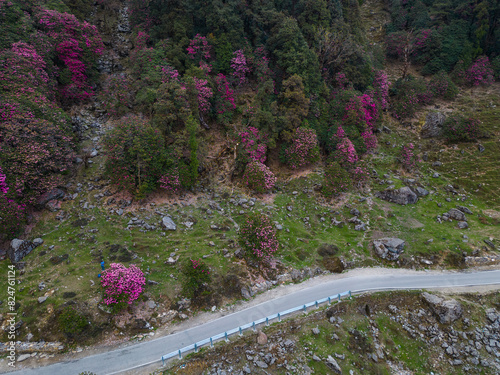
(240, 67)
(258, 237)
(261, 65)
(381, 89)
(170, 181)
(302, 150)
(359, 174)
(225, 98)
(259, 177)
(345, 154)
(370, 140)
(197, 277)
(122, 285)
(252, 145)
(204, 94)
(480, 72)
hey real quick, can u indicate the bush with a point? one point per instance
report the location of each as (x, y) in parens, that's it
(408, 95)
(72, 322)
(196, 276)
(259, 177)
(336, 180)
(122, 285)
(302, 150)
(442, 86)
(258, 237)
(346, 154)
(408, 158)
(252, 146)
(457, 128)
(136, 155)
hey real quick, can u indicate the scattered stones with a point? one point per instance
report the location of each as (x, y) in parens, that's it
(389, 248)
(446, 311)
(465, 210)
(462, 225)
(333, 365)
(420, 191)
(42, 299)
(456, 214)
(402, 196)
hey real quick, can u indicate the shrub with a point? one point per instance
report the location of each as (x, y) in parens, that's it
(196, 276)
(457, 128)
(336, 180)
(258, 237)
(302, 150)
(72, 322)
(408, 158)
(136, 154)
(442, 86)
(259, 177)
(122, 285)
(345, 154)
(480, 72)
(359, 174)
(170, 181)
(252, 145)
(240, 67)
(409, 94)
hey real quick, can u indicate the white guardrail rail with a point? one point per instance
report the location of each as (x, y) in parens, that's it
(253, 325)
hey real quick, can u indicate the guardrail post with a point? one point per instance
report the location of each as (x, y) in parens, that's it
(162, 361)
(180, 354)
(253, 326)
(195, 348)
(279, 317)
(305, 308)
(211, 343)
(329, 300)
(225, 336)
(350, 296)
(316, 303)
(339, 297)
(241, 332)
(267, 321)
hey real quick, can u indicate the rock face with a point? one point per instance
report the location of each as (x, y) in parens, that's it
(389, 248)
(49, 196)
(401, 196)
(433, 124)
(168, 223)
(19, 249)
(447, 311)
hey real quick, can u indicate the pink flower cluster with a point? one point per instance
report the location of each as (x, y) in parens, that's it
(239, 66)
(362, 110)
(408, 158)
(199, 48)
(480, 72)
(259, 177)
(341, 80)
(259, 237)
(170, 181)
(226, 95)
(303, 149)
(261, 64)
(346, 154)
(370, 140)
(122, 284)
(253, 144)
(199, 266)
(381, 87)
(3, 185)
(204, 94)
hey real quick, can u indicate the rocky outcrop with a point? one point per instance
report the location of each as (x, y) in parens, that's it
(446, 311)
(49, 196)
(18, 249)
(401, 196)
(433, 124)
(389, 248)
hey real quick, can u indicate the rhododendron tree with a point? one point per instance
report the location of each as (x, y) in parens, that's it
(381, 88)
(116, 94)
(170, 181)
(204, 93)
(457, 128)
(302, 150)
(196, 277)
(252, 145)
(442, 86)
(258, 177)
(225, 97)
(336, 180)
(199, 48)
(258, 237)
(370, 140)
(359, 174)
(122, 285)
(239, 66)
(480, 72)
(345, 154)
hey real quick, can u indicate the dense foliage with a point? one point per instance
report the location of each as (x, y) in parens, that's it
(122, 285)
(196, 277)
(259, 237)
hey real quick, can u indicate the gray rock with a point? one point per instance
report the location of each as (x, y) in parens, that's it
(446, 311)
(420, 191)
(333, 365)
(168, 223)
(245, 293)
(261, 338)
(315, 331)
(465, 210)
(433, 123)
(361, 226)
(48, 196)
(401, 196)
(23, 357)
(462, 225)
(37, 241)
(355, 212)
(456, 214)
(480, 148)
(261, 364)
(42, 299)
(436, 175)
(18, 249)
(389, 248)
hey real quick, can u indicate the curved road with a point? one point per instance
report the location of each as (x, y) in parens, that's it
(137, 355)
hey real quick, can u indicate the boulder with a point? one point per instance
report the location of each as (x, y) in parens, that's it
(420, 191)
(332, 364)
(168, 223)
(261, 338)
(433, 124)
(389, 248)
(54, 205)
(446, 311)
(456, 214)
(19, 249)
(401, 196)
(49, 196)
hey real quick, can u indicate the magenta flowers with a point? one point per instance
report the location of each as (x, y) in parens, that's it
(259, 237)
(259, 177)
(122, 285)
(303, 149)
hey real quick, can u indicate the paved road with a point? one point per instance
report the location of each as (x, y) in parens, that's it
(135, 355)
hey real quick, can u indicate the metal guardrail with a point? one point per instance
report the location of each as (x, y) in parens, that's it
(225, 335)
